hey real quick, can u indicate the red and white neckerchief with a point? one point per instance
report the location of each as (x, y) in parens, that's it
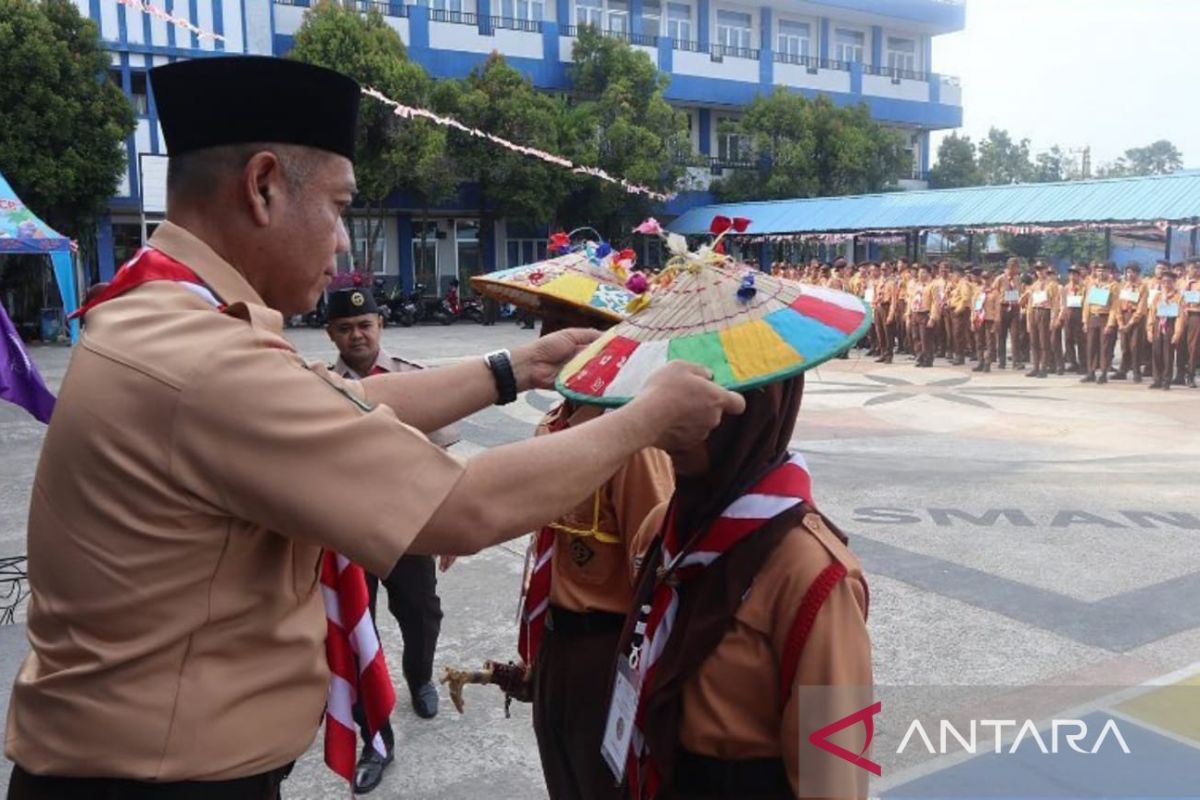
(357, 667)
(781, 489)
(535, 601)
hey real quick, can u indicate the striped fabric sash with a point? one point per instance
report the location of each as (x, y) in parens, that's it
(356, 662)
(779, 490)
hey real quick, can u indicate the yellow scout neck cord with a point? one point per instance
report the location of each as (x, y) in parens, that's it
(595, 532)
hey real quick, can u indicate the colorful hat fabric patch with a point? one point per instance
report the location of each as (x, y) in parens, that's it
(574, 280)
(749, 328)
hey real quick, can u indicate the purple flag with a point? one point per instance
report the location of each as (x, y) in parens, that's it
(20, 382)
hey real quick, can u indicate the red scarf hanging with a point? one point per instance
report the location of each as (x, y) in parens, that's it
(779, 490)
(536, 600)
(358, 670)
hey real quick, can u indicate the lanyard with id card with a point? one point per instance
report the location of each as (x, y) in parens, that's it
(1191, 297)
(1074, 301)
(1012, 296)
(1168, 310)
(1130, 295)
(869, 295)
(622, 715)
(1040, 298)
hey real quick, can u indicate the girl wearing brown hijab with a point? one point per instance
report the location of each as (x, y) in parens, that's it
(749, 637)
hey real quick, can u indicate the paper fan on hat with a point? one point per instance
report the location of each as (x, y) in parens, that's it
(746, 326)
(590, 278)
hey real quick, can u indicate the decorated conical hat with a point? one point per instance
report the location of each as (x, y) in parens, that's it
(746, 326)
(577, 281)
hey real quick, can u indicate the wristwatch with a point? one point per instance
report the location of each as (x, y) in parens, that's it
(500, 363)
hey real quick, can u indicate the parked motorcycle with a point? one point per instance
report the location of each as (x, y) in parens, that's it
(416, 307)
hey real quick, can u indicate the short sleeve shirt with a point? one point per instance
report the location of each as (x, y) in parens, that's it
(193, 470)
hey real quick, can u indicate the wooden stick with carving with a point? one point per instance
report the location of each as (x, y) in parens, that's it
(513, 679)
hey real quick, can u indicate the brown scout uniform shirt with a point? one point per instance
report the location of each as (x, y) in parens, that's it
(1092, 309)
(1173, 296)
(442, 437)
(194, 469)
(732, 708)
(1128, 312)
(1052, 302)
(596, 572)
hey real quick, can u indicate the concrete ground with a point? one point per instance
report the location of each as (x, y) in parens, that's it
(1014, 531)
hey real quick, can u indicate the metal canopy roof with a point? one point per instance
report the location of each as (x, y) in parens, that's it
(1174, 197)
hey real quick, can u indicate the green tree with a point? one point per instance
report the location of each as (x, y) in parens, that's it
(496, 98)
(1003, 161)
(65, 124)
(806, 148)
(1052, 166)
(1157, 158)
(1085, 245)
(956, 165)
(617, 97)
(391, 154)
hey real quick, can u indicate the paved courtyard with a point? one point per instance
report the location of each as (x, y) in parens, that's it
(1015, 532)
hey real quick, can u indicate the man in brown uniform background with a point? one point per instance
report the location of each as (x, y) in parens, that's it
(195, 465)
(1072, 317)
(1043, 297)
(1099, 298)
(1127, 321)
(1006, 294)
(1191, 319)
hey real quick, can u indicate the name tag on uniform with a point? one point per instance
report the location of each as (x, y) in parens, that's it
(979, 303)
(1130, 295)
(622, 711)
(1191, 297)
(1168, 310)
(1098, 296)
(1074, 301)
(1012, 296)
(869, 295)
(1153, 294)
(1040, 298)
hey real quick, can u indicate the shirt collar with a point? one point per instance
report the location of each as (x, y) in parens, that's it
(183, 246)
(382, 361)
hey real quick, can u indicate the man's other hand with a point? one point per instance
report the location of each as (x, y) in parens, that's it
(538, 363)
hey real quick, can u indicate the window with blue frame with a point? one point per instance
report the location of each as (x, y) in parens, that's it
(735, 30)
(651, 17)
(849, 45)
(524, 10)
(901, 54)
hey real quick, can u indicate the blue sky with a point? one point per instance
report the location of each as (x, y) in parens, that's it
(1111, 74)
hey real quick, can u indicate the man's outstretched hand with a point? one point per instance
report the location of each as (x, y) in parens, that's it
(537, 364)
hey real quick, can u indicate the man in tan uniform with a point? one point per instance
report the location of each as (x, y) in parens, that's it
(923, 315)
(196, 466)
(958, 309)
(1072, 318)
(1006, 292)
(883, 302)
(1099, 298)
(985, 315)
(1191, 319)
(1164, 330)
(1127, 322)
(1043, 298)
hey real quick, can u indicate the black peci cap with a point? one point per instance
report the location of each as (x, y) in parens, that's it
(351, 303)
(212, 102)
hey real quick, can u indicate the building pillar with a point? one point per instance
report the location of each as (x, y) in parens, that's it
(1170, 236)
(1107, 243)
(487, 247)
(824, 43)
(404, 225)
(635, 16)
(877, 46)
(105, 256)
(483, 16)
(702, 18)
(766, 56)
(704, 122)
(924, 155)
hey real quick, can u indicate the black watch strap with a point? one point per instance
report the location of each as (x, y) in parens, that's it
(500, 363)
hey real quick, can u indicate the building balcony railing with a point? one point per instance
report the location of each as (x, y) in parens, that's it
(455, 17)
(812, 62)
(895, 74)
(643, 39)
(720, 51)
(507, 23)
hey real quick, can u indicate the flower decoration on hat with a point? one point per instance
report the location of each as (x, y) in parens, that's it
(683, 259)
(560, 243)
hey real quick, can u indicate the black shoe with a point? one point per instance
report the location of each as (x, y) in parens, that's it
(370, 769)
(1102, 379)
(1119, 376)
(1166, 386)
(1033, 373)
(978, 367)
(425, 701)
(881, 360)
(1000, 365)
(1191, 382)
(1018, 366)
(1137, 377)
(1060, 371)
(1155, 385)
(1178, 381)
(1041, 374)
(1089, 378)
(987, 367)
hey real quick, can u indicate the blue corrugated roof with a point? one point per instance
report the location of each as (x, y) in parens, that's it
(1173, 197)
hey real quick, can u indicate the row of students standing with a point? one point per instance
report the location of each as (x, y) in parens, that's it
(1032, 317)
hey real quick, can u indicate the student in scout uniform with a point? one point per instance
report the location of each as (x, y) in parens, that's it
(1098, 303)
(985, 316)
(355, 328)
(1006, 293)
(923, 316)
(1191, 319)
(749, 601)
(580, 585)
(176, 622)
(1128, 322)
(937, 334)
(904, 278)
(882, 303)
(1056, 323)
(958, 305)
(1072, 318)
(1043, 298)
(1164, 330)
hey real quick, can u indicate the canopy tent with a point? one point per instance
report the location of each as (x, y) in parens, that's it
(21, 232)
